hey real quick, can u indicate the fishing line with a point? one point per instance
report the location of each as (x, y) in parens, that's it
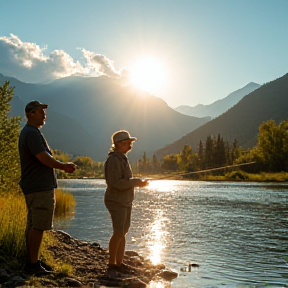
(201, 171)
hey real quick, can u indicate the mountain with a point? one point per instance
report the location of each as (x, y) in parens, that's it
(60, 129)
(220, 106)
(84, 112)
(242, 121)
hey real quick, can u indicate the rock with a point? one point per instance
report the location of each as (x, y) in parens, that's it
(160, 266)
(14, 281)
(96, 245)
(183, 269)
(64, 234)
(4, 276)
(83, 243)
(110, 280)
(133, 283)
(131, 253)
(73, 282)
(167, 275)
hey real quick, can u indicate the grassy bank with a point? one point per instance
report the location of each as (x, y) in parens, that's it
(243, 176)
(13, 215)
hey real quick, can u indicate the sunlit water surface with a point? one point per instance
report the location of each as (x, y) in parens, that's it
(236, 232)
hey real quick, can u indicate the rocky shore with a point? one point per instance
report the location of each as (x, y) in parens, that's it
(88, 263)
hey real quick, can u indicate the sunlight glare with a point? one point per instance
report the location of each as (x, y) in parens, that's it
(148, 74)
(156, 242)
(162, 185)
(158, 284)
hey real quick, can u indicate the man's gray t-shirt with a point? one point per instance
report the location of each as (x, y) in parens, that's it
(35, 176)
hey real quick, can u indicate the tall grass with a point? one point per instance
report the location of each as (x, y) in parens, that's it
(65, 203)
(13, 223)
(13, 213)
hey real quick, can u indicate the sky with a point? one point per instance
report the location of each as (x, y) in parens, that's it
(186, 52)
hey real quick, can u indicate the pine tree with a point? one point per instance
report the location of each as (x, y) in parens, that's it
(155, 163)
(209, 152)
(201, 155)
(144, 162)
(219, 152)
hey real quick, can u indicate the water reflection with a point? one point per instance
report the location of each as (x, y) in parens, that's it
(156, 237)
(161, 185)
(159, 284)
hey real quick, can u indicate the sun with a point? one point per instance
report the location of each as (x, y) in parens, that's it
(148, 74)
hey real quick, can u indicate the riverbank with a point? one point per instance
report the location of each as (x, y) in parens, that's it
(86, 266)
(234, 176)
(237, 175)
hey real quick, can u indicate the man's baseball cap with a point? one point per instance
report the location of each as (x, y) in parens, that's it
(121, 136)
(34, 105)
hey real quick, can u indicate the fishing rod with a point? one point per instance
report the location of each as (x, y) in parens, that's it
(201, 171)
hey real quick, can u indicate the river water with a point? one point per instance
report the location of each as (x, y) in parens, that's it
(236, 232)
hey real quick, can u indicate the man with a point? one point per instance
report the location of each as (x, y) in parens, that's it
(37, 182)
(119, 196)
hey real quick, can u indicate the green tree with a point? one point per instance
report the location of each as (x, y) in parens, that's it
(228, 154)
(85, 166)
(273, 145)
(144, 162)
(9, 132)
(209, 152)
(201, 155)
(155, 163)
(236, 151)
(185, 157)
(219, 152)
(61, 156)
(169, 162)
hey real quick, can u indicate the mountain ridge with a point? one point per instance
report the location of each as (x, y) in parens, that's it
(96, 108)
(242, 121)
(219, 106)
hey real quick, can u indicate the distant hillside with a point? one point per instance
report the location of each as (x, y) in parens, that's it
(220, 106)
(84, 112)
(242, 121)
(60, 130)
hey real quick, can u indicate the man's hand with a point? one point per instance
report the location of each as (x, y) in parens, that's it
(143, 183)
(69, 167)
(46, 159)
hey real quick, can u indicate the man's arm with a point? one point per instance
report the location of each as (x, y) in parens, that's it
(46, 159)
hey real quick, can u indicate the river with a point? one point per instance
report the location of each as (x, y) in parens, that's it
(236, 232)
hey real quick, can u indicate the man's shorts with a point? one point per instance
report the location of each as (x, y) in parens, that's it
(120, 215)
(40, 206)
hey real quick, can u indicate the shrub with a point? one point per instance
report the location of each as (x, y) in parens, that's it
(237, 175)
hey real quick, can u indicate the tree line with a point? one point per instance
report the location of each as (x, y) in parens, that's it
(269, 155)
(213, 153)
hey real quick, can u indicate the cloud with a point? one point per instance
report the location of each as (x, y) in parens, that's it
(30, 63)
(100, 65)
